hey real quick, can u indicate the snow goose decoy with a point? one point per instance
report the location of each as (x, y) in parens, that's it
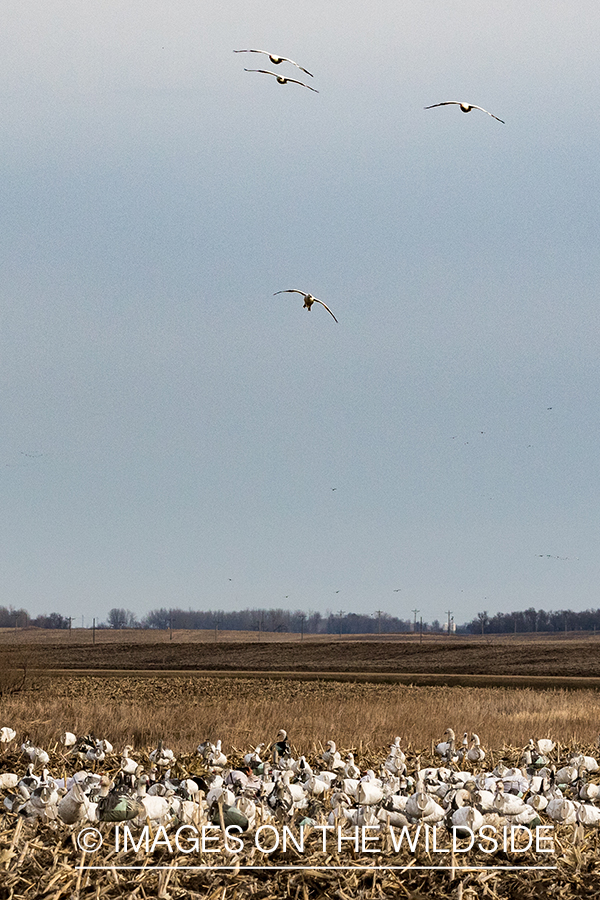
(7, 735)
(281, 747)
(446, 749)
(308, 299)
(476, 753)
(276, 60)
(252, 759)
(162, 757)
(465, 107)
(282, 80)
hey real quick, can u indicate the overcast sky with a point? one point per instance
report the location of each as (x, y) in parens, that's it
(172, 434)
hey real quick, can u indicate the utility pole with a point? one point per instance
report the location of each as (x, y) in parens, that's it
(341, 613)
(70, 624)
(93, 631)
(415, 621)
(449, 612)
(378, 613)
(421, 631)
(170, 624)
(302, 618)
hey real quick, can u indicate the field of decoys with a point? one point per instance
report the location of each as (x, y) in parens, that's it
(244, 797)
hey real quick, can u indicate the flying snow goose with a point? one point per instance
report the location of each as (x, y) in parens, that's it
(465, 107)
(276, 60)
(308, 299)
(281, 79)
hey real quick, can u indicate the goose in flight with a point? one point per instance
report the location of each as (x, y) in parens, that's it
(308, 299)
(276, 60)
(281, 79)
(465, 107)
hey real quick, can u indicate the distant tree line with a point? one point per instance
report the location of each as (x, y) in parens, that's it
(274, 620)
(20, 618)
(283, 620)
(531, 620)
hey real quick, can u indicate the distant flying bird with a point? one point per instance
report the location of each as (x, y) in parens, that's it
(551, 556)
(276, 60)
(465, 107)
(281, 79)
(308, 299)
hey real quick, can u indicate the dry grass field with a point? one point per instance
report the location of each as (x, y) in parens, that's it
(136, 687)
(186, 709)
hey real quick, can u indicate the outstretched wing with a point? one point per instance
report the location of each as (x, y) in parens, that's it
(445, 103)
(470, 105)
(277, 59)
(298, 66)
(326, 307)
(294, 81)
(264, 72)
(489, 114)
(291, 291)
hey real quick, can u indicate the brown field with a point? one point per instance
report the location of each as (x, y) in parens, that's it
(139, 687)
(573, 655)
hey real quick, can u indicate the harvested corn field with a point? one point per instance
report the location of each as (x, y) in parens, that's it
(42, 856)
(378, 841)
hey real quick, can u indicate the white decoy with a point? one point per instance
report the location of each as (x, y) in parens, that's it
(158, 809)
(44, 801)
(368, 793)
(68, 739)
(476, 753)
(545, 745)
(466, 817)
(588, 814)
(308, 299)
(7, 735)
(217, 758)
(587, 762)
(281, 79)
(128, 764)
(564, 811)
(34, 754)
(445, 749)
(351, 770)
(29, 782)
(396, 750)
(465, 107)
(566, 775)
(301, 768)
(509, 804)
(276, 60)
(253, 759)
(74, 806)
(316, 786)
(96, 753)
(587, 791)
(8, 780)
(162, 757)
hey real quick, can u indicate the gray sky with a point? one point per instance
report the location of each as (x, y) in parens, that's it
(166, 424)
